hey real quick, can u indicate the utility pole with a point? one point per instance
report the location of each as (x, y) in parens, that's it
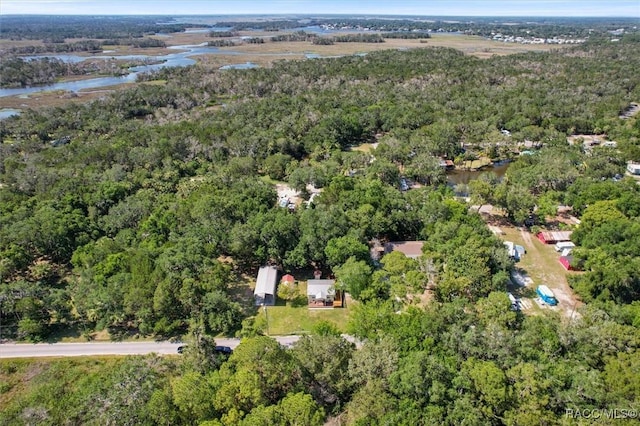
(264, 306)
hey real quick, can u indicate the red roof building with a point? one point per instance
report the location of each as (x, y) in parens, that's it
(288, 279)
(566, 262)
(552, 237)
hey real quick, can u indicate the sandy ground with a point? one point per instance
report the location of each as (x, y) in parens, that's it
(286, 192)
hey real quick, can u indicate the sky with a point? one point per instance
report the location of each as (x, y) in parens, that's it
(565, 8)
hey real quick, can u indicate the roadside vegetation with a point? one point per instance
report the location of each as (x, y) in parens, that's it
(144, 212)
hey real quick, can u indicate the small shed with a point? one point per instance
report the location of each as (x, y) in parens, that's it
(552, 237)
(288, 279)
(265, 291)
(567, 261)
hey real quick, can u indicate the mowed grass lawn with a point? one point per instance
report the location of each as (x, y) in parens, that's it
(284, 319)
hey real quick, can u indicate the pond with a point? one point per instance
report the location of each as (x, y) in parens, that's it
(463, 177)
(245, 66)
(8, 112)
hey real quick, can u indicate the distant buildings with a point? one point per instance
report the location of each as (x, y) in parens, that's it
(536, 40)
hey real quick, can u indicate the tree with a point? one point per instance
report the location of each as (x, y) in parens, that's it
(496, 309)
(376, 362)
(339, 249)
(288, 291)
(325, 364)
(193, 395)
(295, 409)
(400, 276)
(426, 169)
(369, 404)
(354, 276)
(259, 372)
(300, 409)
(481, 189)
(275, 166)
(370, 320)
(488, 384)
(516, 200)
(531, 390)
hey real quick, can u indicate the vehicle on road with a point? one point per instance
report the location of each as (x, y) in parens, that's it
(226, 350)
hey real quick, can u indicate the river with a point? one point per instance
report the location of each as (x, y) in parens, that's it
(179, 59)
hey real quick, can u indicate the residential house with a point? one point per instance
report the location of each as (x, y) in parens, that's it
(411, 249)
(323, 294)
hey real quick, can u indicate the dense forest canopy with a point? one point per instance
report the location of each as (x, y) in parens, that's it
(138, 212)
(56, 29)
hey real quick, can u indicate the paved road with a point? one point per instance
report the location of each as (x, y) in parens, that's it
(26, 350)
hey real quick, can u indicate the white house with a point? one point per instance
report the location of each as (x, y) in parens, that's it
(321, 293)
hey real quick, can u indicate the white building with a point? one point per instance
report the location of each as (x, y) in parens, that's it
(265, 292)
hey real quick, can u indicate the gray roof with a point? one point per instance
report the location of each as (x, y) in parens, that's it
(266, 281)
(412, 249)
(319, 287)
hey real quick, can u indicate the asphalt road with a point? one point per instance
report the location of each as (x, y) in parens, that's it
(26, 350)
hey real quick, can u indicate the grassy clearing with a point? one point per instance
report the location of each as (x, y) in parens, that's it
(365, 147)
(475, 164)
(541, 263)
(472, 45)
(297, 318)
(25, 378)
(57, 98)
(285, 320)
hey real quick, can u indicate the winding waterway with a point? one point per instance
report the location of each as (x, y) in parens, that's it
(181, 58)
(178, 59)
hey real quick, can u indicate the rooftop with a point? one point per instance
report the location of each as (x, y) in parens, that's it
(412, 249)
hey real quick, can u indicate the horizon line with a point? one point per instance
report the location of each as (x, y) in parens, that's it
(322, 14)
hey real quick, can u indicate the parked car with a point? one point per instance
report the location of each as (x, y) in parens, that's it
(226, 350)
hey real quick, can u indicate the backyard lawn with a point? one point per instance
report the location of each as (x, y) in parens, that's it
(297, 318)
